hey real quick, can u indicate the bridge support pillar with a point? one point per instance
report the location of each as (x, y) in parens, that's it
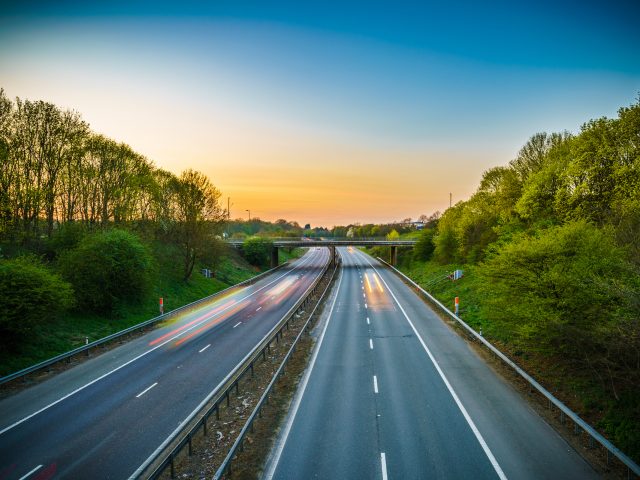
(332, 254)
(393, 255)
(274, 257)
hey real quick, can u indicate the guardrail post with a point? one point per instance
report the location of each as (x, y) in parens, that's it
(228, 400)
(204, 425)
(251, 369)
(217, 411)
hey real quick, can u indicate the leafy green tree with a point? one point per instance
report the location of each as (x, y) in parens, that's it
(553, 291)
(31, 297)
(257, 250)
(107, 270)
(393, 235)
(424, 247)
(195, 215)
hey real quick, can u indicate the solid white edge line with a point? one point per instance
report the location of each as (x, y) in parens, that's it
(6, 429)
(472, 425)
(146, 390)
(203, 349)
(375, 384)
(237, 324)
(383, 465)
(303, 386)
(31, 472)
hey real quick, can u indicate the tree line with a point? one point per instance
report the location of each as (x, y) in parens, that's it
(56, 171)
(553, 239)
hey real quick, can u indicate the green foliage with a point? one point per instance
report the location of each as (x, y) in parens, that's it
(66, 237)
(393, 235)
(31, 297)
(424, 248)
(551, 253)
(622, 425)
(108, 269)
(552, 291)
(257, 250)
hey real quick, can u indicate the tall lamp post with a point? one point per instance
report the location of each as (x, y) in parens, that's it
(249, 214)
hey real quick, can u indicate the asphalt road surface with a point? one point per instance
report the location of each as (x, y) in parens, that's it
(103, 418)
(393, 393)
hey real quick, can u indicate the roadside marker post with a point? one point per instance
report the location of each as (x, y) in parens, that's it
(161, 306)
(457, 305)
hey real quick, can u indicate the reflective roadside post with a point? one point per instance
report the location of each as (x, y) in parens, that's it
(457, 305)
(161, 306)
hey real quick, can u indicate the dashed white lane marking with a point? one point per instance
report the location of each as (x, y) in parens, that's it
(202, 350)
(237, 324)
(371, 344)
(364, 296)
(365, 306)
(456, 399)
(31, 472)
(375, 384)
(146, 390)
(383, 463)
(258, 308)
(368, 323)
(301, 389)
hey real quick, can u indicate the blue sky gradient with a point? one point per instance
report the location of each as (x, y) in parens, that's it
(428, 94)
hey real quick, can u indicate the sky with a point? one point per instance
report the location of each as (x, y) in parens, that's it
(326, 113)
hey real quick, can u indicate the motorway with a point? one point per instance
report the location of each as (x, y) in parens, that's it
(103, 418)
(391, 391)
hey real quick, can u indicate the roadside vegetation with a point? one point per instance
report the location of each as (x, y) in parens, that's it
(92, 234)
(550, 249)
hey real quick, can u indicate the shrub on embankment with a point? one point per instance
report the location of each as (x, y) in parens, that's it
(32, 296)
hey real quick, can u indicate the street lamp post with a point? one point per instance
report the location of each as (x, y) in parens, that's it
(249, 214)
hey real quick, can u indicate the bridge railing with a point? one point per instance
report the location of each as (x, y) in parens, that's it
(594, 436)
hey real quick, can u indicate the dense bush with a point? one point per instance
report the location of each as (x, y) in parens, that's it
(257, 250)
(108, 269)
(554, 290)
(423, 249)
(31, 296)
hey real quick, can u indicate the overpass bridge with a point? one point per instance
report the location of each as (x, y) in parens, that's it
(331, 243)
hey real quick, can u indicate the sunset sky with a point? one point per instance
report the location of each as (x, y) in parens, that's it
(326, 112)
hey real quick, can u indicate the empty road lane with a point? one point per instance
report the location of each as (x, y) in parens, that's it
(392, 392)
(103, 418)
